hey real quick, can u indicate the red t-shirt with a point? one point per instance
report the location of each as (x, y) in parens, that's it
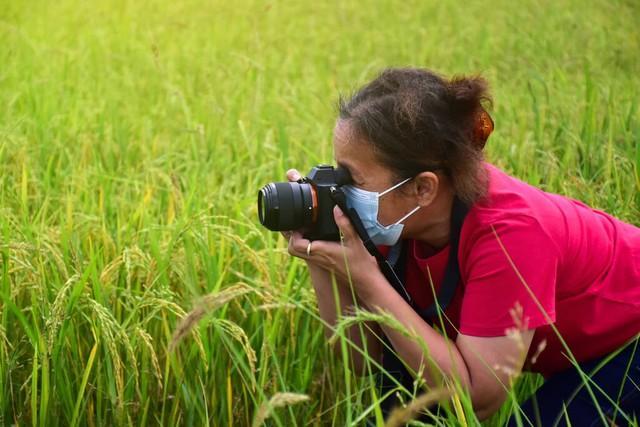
(581, 268)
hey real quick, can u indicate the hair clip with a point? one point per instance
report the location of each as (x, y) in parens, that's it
(483, 127)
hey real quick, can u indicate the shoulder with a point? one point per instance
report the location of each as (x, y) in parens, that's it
(507, 195)
(513, 206)
(513, 218)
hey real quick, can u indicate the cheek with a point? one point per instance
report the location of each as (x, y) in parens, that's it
(385, 214)
(391, 210)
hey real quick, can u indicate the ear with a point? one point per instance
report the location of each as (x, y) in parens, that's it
(426, 187)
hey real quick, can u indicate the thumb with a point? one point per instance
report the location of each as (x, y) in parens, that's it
(293, 175)
(343, 223)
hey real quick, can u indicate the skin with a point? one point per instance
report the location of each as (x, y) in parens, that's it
(484, 366)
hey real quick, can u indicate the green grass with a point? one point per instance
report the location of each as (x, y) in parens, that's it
(134, 136)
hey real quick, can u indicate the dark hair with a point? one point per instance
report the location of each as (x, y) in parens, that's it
(417, 120)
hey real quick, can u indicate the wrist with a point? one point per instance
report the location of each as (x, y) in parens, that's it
(313, 266)
(374, 289)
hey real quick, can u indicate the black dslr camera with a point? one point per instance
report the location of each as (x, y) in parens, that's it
(306, 204)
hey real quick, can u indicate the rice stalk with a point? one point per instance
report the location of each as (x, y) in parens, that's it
(256, 260)
(276, 306)
(114, 336)
(107, 327)
(278, 400)
(20, 256)
(148, 342)
(132, 258)
(237, 333)
(54, 252)
(157, 302)
(402, 415)
(106, 276)
(57, 311)
(206, 305)
(4, 342)
(359, 315)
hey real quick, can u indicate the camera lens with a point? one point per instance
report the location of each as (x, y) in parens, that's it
(284, 206)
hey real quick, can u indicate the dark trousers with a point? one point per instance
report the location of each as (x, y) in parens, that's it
(564, 396)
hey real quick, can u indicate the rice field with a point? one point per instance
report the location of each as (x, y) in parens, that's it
(137, 286)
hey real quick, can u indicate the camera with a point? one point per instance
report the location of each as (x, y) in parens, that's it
(306, 204)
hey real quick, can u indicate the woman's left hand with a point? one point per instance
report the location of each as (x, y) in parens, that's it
(348, 259)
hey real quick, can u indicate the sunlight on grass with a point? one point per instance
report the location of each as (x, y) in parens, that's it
(136, 285)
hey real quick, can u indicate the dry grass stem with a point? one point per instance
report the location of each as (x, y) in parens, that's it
(278, 400)
(402, 415)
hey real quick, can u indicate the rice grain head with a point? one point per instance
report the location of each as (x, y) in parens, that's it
(4, 343)
(359, 315)
(276, 306)
(206, 305)
(278, 400)
(148, 342)
(237, 333)
(402, 415)
(114, 335)
(57, 311)
(51, 244)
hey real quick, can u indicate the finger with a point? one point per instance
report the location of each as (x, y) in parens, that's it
(318, 251)
(298, 245)
(293, 175)
(344, 224)
(325, 251)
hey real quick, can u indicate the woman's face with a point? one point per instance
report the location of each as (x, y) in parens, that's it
(357, 156)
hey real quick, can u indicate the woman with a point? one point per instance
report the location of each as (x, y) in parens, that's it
(521, 258)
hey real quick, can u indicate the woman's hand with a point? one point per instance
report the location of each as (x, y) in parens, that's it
(348, 259)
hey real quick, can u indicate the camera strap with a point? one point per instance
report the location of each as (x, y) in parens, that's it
(452, 271)
(393, 268)
(396, 258)
(385, 266)
(392, 265)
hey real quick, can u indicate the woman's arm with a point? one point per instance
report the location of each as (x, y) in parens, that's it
(484, 366)
(334, 301)
(339, 299)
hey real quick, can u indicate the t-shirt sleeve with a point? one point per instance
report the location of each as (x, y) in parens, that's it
(511, 263)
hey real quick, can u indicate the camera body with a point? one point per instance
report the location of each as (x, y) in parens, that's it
(305, 205)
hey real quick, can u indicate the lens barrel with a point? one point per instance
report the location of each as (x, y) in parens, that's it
(284, 206)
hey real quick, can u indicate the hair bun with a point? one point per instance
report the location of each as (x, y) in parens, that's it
(466, 94)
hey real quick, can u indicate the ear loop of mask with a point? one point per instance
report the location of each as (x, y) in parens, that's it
(391, 189)
(407, 215)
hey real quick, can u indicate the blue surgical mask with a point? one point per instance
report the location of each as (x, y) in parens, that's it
(366, 204)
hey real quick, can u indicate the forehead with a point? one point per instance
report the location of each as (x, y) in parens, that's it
(356, 154)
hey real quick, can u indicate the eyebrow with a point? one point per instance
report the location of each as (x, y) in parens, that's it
(355, 175)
